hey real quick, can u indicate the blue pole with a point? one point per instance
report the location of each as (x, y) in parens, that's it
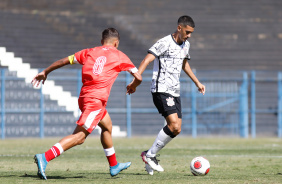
(241, 111)
(244, 129)
(41, 133)
(3, 103)
(279, 104)
(253, 104)
(128, 108)
(193, 110)
(246, 106)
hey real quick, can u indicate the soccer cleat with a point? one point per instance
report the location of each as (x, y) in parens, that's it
(152, 162)
(114, 170)
(149, 169)
(41, 162)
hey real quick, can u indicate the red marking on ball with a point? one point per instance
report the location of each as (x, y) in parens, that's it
(197, 164)
(207, 171)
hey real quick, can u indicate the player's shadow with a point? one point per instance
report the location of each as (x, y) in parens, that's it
(272, 173)
(107, 176)
(50, 177)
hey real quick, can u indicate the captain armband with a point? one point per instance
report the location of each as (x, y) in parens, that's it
(71, 59)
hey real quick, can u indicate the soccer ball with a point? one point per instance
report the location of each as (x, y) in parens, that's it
(200, 166)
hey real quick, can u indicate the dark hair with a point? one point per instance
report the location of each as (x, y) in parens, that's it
(186, 20)
(110, 32)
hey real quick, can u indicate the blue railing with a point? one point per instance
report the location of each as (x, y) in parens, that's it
(3, 104)
(240, 97)
(192, 112)
(279, 104)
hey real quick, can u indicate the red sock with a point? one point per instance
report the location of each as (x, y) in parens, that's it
(112, 160)
(53, 152)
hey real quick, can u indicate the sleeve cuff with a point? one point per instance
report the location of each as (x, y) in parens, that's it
(151, 52)
(133, 70)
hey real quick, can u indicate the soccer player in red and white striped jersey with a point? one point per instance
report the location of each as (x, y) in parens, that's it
(100, 68)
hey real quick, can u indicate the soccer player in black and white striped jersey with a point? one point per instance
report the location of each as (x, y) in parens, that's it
(170, 54)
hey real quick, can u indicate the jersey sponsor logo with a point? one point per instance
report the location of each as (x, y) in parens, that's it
(170, 101)
(99, 65)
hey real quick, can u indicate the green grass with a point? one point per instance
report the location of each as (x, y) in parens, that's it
(243, 161)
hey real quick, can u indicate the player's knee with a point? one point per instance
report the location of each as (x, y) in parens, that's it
(107, 129)
(80, 141)
(176, 130)
(175, 127)
(80, 138)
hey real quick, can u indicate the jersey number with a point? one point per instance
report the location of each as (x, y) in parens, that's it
(99, 65)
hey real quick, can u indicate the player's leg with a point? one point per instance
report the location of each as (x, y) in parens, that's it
(106, 139)
(170, 108)
(166, 134)
(174, 125)
(78, 137)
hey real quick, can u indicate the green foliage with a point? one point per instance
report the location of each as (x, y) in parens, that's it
(233, 160)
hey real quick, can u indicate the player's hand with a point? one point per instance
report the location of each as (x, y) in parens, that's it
(38, 78)
(130, 89)
(201, 88)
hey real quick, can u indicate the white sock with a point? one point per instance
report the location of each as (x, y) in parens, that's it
(160, 142)
(109, 151)
(58, 145)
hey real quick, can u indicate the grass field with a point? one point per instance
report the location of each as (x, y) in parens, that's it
(232, 160)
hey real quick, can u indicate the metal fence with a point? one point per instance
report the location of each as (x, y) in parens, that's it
(236, 103)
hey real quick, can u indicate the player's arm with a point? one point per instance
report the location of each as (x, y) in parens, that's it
(42, 76)
(187, 69)
(146, 61)
(131, 88)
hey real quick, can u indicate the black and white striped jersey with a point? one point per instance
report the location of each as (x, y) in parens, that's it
(168, 64)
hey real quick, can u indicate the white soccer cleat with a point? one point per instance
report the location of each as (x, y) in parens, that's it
(152, 162)
(149, 169)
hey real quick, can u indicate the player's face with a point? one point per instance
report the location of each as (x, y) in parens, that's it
(185, 32)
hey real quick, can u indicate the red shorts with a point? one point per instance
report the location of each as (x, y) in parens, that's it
(92, 112)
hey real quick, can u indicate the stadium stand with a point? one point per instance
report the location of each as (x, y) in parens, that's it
(229, 35)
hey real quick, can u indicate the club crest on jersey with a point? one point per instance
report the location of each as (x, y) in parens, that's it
(99, 65)
(170, 101)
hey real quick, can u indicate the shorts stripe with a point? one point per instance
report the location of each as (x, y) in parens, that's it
(90, 118)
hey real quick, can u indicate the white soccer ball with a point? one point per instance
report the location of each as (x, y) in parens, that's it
(200, 166)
